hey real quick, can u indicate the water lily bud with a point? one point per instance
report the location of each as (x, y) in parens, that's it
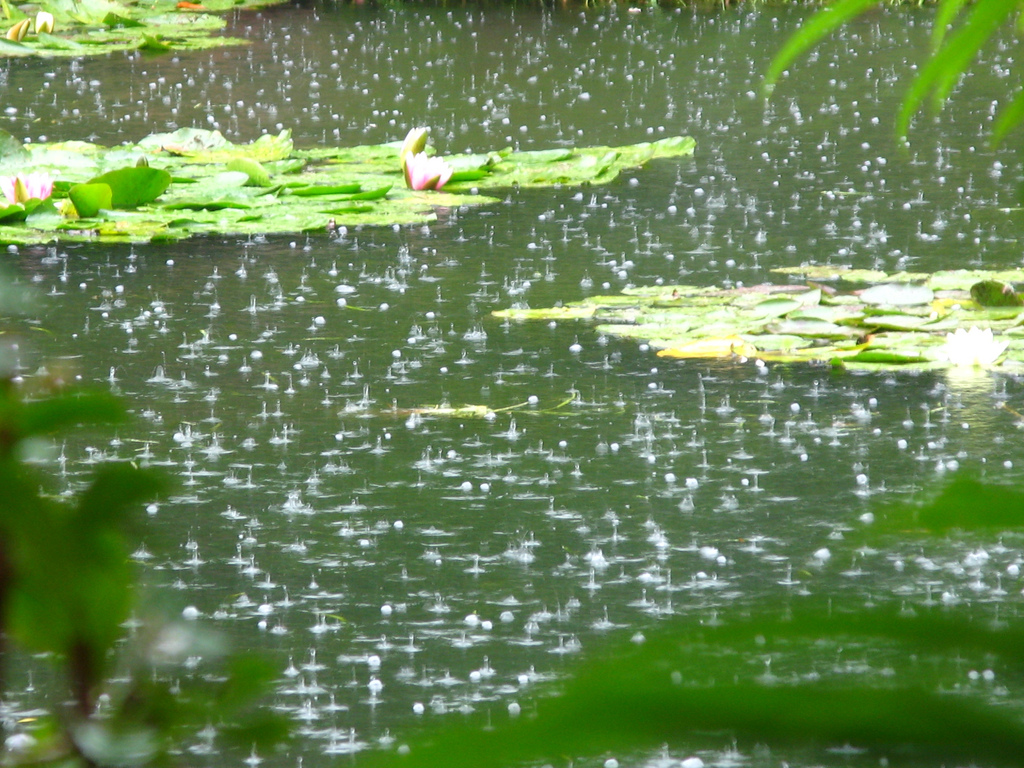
(415, 142)
(18, 31)
(44, 22)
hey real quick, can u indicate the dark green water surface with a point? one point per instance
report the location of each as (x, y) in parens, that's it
(386, 558)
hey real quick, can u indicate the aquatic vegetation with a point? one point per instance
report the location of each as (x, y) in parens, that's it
(904, 320)
(483, 411)
(193, 181)
(87, 27)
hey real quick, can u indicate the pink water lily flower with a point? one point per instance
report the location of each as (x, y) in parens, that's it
(25, 187)
(424, 172)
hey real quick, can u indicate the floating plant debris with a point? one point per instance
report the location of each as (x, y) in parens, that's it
(215, 186)
(904, 320)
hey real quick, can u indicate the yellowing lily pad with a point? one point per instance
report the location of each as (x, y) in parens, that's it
(714, 347)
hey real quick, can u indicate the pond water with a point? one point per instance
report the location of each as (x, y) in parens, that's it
(403, 567)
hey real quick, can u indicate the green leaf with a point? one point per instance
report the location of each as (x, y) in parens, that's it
(316, 190)
(249, 676)
(542, 156)
(946, 11)
(48, 415)
(13, 212)
(824, 22)
(134, 186)
(102, 744)
(884, 356)
(11, 48)
(154, 44)
(115, 489)
(463, 176)
(262, 729)
(945, 67)
(1008, 118)
(205, 205)
(256, 173)
(685, 682)
(897, 295)
(118, 21)
(371, 194)
(965, 504)
(90, 199)
(775, 307)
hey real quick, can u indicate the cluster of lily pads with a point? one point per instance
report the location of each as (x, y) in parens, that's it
(964, 319)
(78, 28)
(171, 186)
(83, 27)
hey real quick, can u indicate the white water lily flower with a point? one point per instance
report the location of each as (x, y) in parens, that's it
(974, 347)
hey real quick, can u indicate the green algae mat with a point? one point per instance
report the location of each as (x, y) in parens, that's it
(54, 28)
(193, 181)
(969, 320)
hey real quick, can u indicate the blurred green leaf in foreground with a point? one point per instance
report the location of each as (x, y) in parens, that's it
(772, 677)
(68, 589)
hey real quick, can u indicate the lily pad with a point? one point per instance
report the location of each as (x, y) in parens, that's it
(104, 26)
(791, 324)
(132, 187)
(268, 186)
(256, 174)
(90, 199)
(897, 294)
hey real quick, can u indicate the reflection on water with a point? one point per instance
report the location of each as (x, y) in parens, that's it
(402, 562)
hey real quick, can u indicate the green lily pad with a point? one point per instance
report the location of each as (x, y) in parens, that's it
(963, 279)
(90, 199)
(894, 322)
(256, 174)
(104, 26)
(371, 194)
(230, 188)
(326, 189)
(897, 294)
(132, 187)
(13, 212)
(833, 272)
(814, 329)
(884, 356)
